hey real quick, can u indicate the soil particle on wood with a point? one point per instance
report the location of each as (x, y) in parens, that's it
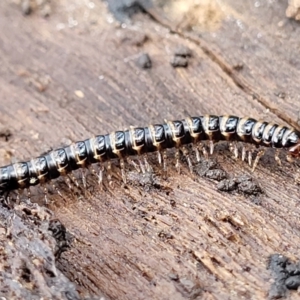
(188, 288)
(144, 61)
(5, 133)
(181, 56)
(227, 185)
(247, 185)
(211, 169)
(173, 203)
(256, 201)
(163, 235)
(147, 180)
(179, 61)
(243, 184)
(62, 237)
(286, 275)
(26, 7)
(43, 6)
(173, 276)
(216, 174)
(123, 10)
(238, 66)
(183, 51)
(280, 94)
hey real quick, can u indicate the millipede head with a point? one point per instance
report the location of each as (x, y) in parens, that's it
(295, 151)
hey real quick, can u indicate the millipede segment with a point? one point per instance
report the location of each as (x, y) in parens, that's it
(139, 141)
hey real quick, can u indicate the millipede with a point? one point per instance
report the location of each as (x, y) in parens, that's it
(139, 141)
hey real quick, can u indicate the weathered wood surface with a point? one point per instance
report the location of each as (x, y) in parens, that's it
(74, 75)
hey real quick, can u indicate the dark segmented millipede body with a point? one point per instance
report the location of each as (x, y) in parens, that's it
(142, 140)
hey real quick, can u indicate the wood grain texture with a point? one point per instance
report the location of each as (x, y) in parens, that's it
(74, 75)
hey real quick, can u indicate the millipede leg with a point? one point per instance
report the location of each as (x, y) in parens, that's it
(177, 157)
(277, 158)
(134, 164)
(234, 149)
(258, 156)
(100, 174)
(73, 179)
(187, 156)
(92, 169)
(142, 167)
(109, 174)
(122, 165)
(7, 200)
(57, 190)
(68, 182)
(45, 191)
(159, 157)
(18, 192)
(83, 177)
(94, 172)
(211, 147)
(243, 153)
(147, 165)
(289, 158)
(28, 193)
(165, 158)
(250, 153)
(196, 150)
(204, 151)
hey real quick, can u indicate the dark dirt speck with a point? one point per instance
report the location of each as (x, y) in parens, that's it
(243, 184)
(286, 275)
(165, 235)
(238, 67)
(183, 51)
(173, 276)
(280, 94)
(210, 169)
(123, 10)
(216, 174)
(256, 200)
(26, 7)
(293, 282)
(227, 185)
(179, 61)
(5, 133)
(188, 288)
(62, 237)
(181, 57)
(173, 203)
(144, 61)
(148, 181)
(248, 185)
